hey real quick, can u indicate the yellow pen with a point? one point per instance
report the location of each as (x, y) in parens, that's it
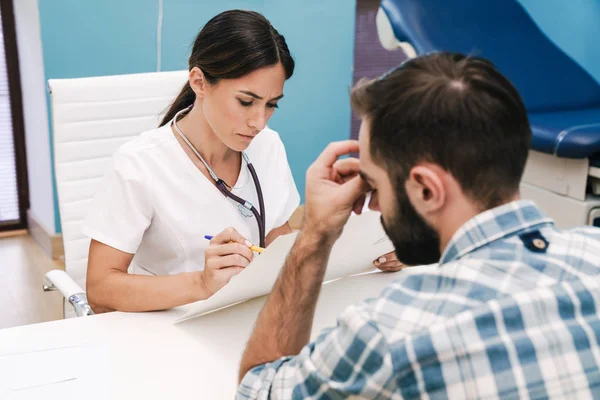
(256, 249)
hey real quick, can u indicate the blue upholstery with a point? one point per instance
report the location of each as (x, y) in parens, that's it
(572, 134)
(560, 95)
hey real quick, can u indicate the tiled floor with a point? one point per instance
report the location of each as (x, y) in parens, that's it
(23, 264)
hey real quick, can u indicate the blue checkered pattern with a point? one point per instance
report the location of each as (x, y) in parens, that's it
(510, 312)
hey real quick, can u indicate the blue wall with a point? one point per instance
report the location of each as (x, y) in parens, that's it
(91, 38)
(572, 25)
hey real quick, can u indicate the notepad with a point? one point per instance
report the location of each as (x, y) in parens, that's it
(362, 241)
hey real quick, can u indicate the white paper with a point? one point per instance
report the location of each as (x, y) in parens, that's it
(55, 374)
(362, 241)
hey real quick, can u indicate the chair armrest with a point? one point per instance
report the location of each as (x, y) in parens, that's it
(59, 280)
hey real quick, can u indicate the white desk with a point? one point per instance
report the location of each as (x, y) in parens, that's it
(150, 358)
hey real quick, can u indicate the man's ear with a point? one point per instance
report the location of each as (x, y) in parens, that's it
(425, 188)
(198, 82)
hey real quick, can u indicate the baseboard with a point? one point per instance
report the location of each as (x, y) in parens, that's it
(9, 234)
(50, 242)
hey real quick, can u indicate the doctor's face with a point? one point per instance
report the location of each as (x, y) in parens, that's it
(238, 109)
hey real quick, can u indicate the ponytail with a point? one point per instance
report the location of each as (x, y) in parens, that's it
(185, 99)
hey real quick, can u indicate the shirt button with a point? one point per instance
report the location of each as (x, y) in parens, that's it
(539, 243)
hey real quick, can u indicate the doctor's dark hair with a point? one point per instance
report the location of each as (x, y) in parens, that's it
(456, 111)
(231, 45)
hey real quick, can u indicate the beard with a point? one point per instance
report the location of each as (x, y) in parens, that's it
(415, 242)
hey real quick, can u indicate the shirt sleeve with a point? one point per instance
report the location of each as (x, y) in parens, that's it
(291, 197)
(352, 359)
(121, 209)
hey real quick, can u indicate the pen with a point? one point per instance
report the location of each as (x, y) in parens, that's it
(253, 248)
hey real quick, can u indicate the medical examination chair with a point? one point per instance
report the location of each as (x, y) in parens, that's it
(91, 118)
(563, 101)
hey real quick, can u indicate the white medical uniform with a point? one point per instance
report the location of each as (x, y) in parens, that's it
(155, 203)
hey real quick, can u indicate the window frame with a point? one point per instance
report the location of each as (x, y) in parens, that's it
(16, 106)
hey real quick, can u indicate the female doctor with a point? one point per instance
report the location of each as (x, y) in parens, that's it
(196, 175)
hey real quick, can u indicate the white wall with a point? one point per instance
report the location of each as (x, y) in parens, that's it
(33, 87)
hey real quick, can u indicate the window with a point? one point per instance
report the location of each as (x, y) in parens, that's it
(13, 168)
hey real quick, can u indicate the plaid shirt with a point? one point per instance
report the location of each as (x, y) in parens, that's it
(510, 312)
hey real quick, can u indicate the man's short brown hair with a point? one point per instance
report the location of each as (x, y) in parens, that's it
(453, 110)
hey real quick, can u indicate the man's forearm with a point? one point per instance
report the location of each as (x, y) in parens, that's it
(285, 323)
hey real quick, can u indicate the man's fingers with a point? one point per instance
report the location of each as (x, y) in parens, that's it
(335, 150)
(359, 204)
(355, 188)
(343, 170)
(347, 167)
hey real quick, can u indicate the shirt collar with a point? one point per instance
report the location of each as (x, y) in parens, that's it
(492, 225)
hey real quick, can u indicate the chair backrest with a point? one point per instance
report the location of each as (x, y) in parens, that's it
(503, 32)
(91, 118)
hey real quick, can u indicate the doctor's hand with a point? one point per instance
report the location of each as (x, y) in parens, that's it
(333, 190)
(388, 263)
(227, 255)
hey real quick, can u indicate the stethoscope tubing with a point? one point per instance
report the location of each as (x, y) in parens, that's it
(222, 186)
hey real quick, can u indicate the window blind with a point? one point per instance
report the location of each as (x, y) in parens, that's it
(9, 199)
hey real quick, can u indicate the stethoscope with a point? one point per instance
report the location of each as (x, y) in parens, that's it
(225, 188)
